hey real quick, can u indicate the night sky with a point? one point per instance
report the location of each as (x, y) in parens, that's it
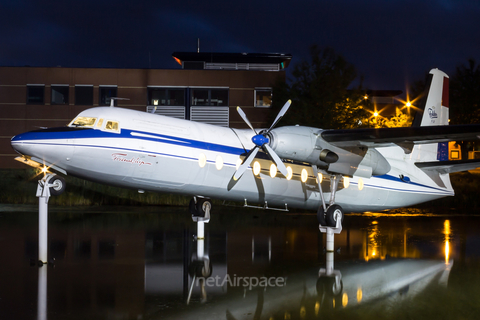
(391, 43)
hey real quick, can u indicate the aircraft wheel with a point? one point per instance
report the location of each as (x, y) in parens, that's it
(59, 185)
(321, 216)
(201, 207)
(334, 213)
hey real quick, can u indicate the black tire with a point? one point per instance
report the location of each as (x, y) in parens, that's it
(59, 185)
(321, 216)
(334, 212)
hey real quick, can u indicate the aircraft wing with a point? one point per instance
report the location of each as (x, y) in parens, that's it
(403, 137)
(449, 166)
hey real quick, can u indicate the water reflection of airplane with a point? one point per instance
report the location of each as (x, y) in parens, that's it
(313, 293)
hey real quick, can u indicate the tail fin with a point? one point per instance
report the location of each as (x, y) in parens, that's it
(434, 111)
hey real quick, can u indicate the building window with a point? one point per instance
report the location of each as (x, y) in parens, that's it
(60, 94)
(35, 94)
(263, 97)
(84, 95)
(209, 97)
(166, 96)
(106, 93)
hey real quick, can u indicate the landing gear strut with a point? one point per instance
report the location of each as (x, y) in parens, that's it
(328, 216)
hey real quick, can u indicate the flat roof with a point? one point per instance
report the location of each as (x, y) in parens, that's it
(227, 57)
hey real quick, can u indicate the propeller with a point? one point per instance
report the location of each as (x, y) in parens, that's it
(261, 140)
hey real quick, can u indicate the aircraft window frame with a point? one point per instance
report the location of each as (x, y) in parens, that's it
(113, 128)
(89, 125)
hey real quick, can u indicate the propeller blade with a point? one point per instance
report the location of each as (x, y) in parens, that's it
(280, 114)
(246, 163)
(244, 117)
(278, 162)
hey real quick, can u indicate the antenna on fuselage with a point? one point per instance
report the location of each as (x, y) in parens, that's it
(112, 100)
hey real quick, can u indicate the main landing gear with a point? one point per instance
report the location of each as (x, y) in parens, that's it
(328, 216)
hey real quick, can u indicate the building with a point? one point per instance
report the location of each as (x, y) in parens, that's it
(207, 89)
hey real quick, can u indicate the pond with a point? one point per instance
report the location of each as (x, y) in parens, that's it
(146, 263)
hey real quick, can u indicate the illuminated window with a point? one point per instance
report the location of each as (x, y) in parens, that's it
(166, 96)
(60, 94)
(454, 154)
(84, 95)
(106, 93)
(83, 122)
(263, 97)
(112, 126)
(35, 94)
(99, 123)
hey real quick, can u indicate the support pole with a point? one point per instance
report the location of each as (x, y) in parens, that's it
(43, 194)
(331, 231)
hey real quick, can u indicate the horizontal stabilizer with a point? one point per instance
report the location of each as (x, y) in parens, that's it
(408, 136)
(449, 166)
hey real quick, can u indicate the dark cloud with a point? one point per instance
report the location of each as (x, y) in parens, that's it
(389, 42)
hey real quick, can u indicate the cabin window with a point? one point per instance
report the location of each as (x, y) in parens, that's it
(99, 123)
(112, 126)
(87, 122)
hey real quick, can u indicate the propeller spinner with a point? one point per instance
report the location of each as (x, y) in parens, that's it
(261, 140)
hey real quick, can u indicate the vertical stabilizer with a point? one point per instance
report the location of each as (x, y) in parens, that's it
(434, 111)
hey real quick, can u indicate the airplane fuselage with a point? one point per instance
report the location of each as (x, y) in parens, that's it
(161, 154)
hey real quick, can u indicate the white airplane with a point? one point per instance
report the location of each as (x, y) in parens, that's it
(380, 168)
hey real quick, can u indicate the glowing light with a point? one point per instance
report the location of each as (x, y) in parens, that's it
(202, 160)
(320, 177)
(290, 173)
(359, 295)
(304, 175)
(273, 170)
(408, 104)
(375, 114)
(344, 299)
(447, 231)
(178, 60)
(365, 97)
(360, 184)
(346, 182)
(44, 169)
(317, 308)
(238, 164)
(256, 168)
(303, 312)
(219, 163)
(447, 251)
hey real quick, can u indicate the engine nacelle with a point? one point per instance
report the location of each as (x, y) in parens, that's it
(304, 144)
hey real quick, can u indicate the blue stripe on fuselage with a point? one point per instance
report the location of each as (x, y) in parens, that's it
(83, 133)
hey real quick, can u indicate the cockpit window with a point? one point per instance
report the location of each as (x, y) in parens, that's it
(88, 122)
(112, 126)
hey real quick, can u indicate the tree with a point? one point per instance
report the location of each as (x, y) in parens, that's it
(465, 99)
(320, 93)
